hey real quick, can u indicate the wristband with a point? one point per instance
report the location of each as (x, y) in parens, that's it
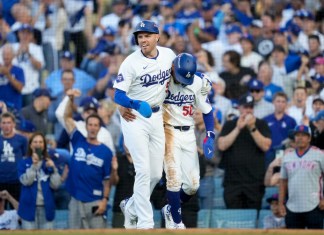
(210, 134)
(253, 129)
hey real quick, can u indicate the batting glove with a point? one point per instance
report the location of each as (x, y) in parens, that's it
(142, 107)
(206, 86)
(209, 146)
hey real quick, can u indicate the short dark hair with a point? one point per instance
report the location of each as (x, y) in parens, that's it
(234, 57)
(8, 115)
(280, 94)
(68, 71)
(93, 115)
(314, 36)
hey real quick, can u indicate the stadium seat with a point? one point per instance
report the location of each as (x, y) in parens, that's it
(204, 218)
(157, 218)
(219, 194)
(269, 191)
(263, 213)
(233, 218)
(61, 219)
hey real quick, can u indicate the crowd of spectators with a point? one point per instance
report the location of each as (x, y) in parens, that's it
(265, 60)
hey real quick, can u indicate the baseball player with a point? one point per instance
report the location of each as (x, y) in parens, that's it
(181, 163)
(141, 86)
(301, 177)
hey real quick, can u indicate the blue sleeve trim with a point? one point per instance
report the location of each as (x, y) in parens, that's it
(209, 121)
(122, 99)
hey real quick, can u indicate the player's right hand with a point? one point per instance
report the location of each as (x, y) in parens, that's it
(282, 210)
(127, 114)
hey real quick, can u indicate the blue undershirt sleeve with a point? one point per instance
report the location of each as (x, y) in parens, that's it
(209, 121)
(122, 99)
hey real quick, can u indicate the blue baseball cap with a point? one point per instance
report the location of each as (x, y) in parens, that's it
(247, 37)
(26, 27)
(319, 78)
(166, 4)
(42, 92)
(302, 129)
(206, 5)
(233, 28)
(109, 31)
(89, 102)
(319, 116)
(67, 55)
(255, 84)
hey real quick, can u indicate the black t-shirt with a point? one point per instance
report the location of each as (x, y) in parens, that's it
(124, 188)
(233, 88)
(317, 137)
(244, 161)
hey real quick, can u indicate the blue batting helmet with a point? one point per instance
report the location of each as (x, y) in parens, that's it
(185, 67)
(145, 26)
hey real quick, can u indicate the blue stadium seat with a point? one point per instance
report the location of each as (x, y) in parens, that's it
(269, 191)
(219, 194)
(157, 217)
(263, 213)
(233, 218)
(204, 218)
(61, 219)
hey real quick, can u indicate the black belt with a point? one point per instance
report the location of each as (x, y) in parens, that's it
(182, 128)
(155, 109)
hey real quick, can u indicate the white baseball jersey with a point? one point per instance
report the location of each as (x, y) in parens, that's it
(146, 79)
(305, 178)
(181, 163)
(181, 101)
(9, 220)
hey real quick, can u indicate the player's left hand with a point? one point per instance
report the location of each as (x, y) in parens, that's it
(209, 145)
(206, 86)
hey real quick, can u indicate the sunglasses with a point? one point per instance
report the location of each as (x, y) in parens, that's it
(255, 90)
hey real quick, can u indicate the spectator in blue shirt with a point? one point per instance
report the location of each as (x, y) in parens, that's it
(279, 124)
(83, 81)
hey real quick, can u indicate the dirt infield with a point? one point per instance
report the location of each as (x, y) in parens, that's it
(168, 232)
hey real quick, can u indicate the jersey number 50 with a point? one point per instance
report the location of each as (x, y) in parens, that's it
(187, 110)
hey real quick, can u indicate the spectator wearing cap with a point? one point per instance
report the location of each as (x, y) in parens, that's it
(243, 142)
(234, 75)
(83, 81)
(261, 108)
(317, 85)
(93, 62)
(36, 112)
(250, 58)
(275, 220)
(89, 105)
(317, 127)
(301, 180)
(68, 82)
(30, 58)
(265, 76)
(280, 124)
(12, 79)
(308, 27)
(170, 24)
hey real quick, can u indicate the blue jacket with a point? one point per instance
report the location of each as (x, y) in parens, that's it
(28, 195)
